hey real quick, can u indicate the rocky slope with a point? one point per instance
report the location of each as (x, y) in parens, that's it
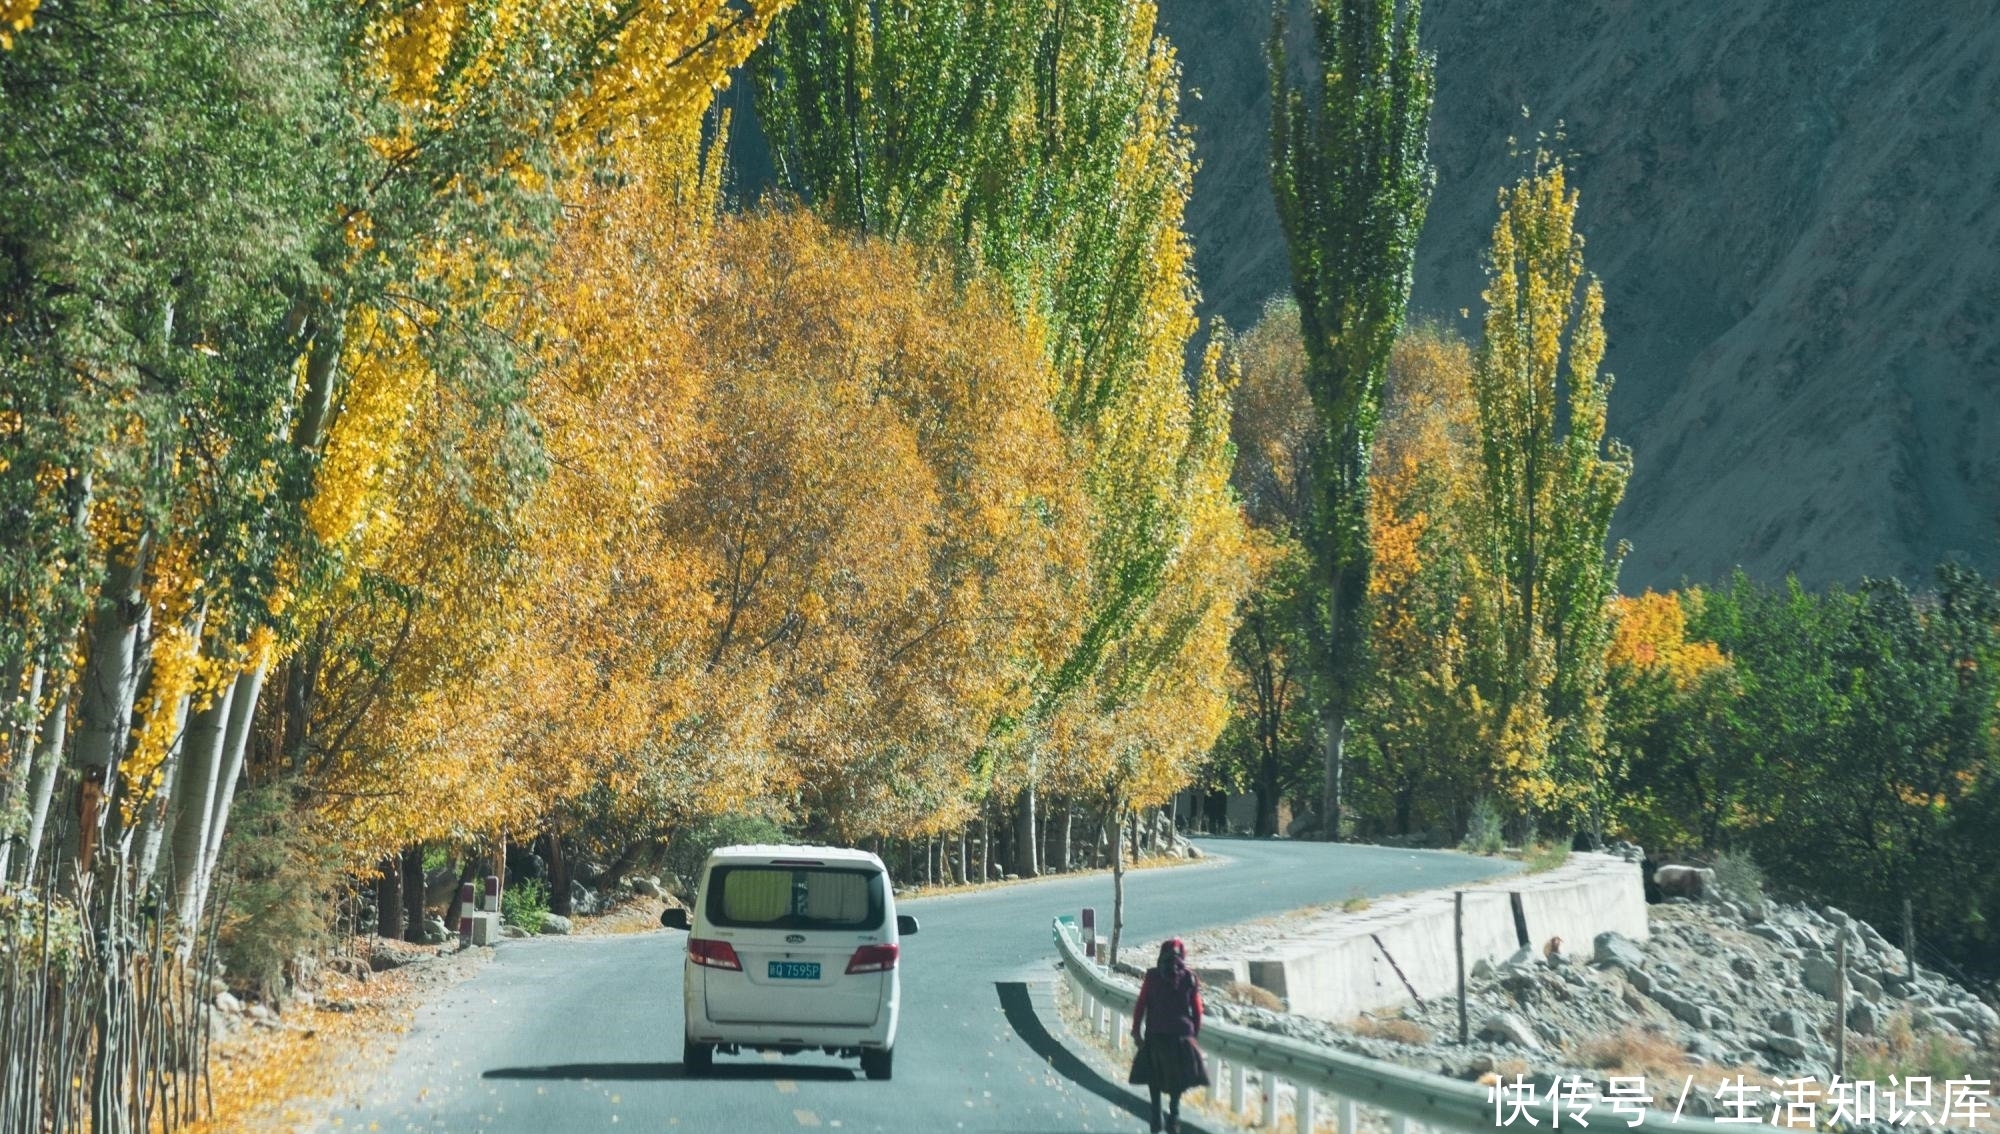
(1793, 206)
(1720, 988)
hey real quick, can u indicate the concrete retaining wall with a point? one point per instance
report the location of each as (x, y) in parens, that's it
(1335, 965)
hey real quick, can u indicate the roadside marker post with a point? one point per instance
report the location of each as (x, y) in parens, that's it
(465, 915)
(1089, 922)
(490, 901)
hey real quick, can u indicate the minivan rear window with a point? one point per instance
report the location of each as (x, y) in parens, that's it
(794, 897)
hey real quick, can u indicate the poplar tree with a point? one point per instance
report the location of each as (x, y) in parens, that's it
(1350, 167)
(1040, 145)
(1550, 482)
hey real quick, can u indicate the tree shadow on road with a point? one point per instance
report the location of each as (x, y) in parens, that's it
(1020, 1013)
(647, 1072)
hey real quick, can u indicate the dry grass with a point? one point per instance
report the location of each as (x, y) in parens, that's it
(1900, 1051)
(1657, 1057)
(1243, 992)
(1393, 1028)
(264, 1076)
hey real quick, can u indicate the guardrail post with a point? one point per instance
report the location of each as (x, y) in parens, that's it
(1347, 1122)
(1118, 1031)
(1302, 1109)
(1270, 1100)
(1399, 1124)
(1237, 1089)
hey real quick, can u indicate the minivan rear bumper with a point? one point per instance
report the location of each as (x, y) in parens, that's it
(880, 1034)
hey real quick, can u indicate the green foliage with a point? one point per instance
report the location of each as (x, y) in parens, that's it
(1483, 829)
(279, 872)
(1739, 877)
(692, 844)
(526, 904)
(1849, 745)
(1353, 178)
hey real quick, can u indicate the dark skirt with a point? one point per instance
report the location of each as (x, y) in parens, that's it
(1170, 1064)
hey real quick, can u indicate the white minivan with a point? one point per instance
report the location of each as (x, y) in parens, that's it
(789, 949)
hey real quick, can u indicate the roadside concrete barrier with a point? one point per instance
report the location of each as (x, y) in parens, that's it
(1338, 964)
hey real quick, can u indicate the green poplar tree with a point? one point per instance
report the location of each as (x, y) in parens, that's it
(1353, 178)
(1550, 482)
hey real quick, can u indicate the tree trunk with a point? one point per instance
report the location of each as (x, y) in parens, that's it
(108, 685)
(20, 762)
(964, 874)
(1333, 740)
(42, 785)
(1024, 835)
(1117, 880)
(985, 847)
(413, 894)
(389, 900)
(194, 802)
(1267, 802)
(558, 871)
(242, 708)
(1068, 829)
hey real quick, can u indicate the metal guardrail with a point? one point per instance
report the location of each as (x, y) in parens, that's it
(1407, 1097)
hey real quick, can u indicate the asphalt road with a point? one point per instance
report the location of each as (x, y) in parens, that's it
(584, 1034)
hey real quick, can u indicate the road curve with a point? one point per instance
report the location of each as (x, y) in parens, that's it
(584, 1034)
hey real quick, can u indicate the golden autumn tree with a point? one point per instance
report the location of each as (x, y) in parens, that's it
(1427, 716)
(1040, 146)
(1676, 745)
(1549, 482)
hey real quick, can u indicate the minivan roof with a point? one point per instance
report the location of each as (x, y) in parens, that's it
(766, 852)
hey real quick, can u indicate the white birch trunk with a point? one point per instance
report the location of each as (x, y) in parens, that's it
(194, 803)
(20, 755)
(110, 679)
(48, 762)
(157, 822)
(236, 741)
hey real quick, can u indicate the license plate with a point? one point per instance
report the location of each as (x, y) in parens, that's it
(794, 970)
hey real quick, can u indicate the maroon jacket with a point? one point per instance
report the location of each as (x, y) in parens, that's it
(1169, 1004)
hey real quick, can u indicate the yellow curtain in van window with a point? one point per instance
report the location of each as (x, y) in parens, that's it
(835, 897)
(756, 895)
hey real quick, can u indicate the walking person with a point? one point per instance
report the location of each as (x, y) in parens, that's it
(1165, 1023)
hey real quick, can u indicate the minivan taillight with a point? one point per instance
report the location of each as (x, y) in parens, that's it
(714, 954)
(873, 959)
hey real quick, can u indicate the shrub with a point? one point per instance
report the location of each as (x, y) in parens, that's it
(1394, 1028)
(1483, 828)
(526, 905)
(1739, 878)
(278, 871)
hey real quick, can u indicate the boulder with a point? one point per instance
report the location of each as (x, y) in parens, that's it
(227, 1002)
(1820, 975)
(1785, 1045)
(434, 930)
(382, 960)
(262, 1014)
(1506, 1027)
(1522, 958)
(1791, 1023)
(555, 925)
(1865, 985)
(1743, 967)
(648, 887)
(1482, 969)
(1675, 881)
(1772, 933)
(1687, 1011)
(512, 931)
(1861, 1017)
(1193, 851)
(1615, 950)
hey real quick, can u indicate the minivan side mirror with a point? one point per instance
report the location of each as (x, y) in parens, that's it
(674, 917)
(905, 925)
